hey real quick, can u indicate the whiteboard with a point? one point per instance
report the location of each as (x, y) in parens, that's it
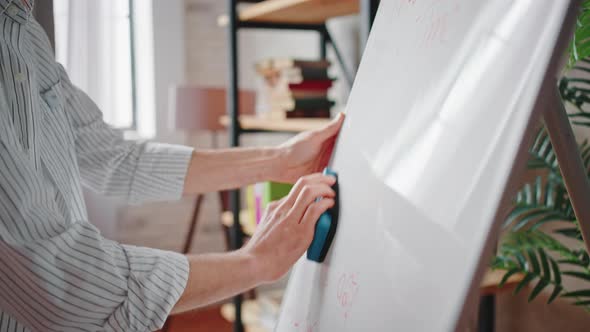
(440, 105)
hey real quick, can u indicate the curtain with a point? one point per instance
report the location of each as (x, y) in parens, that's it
(93, 44)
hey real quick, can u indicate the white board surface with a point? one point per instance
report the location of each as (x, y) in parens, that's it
(438, 110)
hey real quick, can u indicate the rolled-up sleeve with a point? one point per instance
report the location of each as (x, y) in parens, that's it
(133, 170)
(57, 274)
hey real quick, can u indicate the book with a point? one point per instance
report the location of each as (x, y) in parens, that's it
(298, 114)
(315, 85)
(301, 104)
(283, 63)
(294, 88)
(288, 94)
(294, 75)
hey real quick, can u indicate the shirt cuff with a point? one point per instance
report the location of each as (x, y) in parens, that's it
(155, 281)
(160, 173)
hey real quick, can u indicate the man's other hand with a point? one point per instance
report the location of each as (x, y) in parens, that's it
(308, 152)
(287, 227)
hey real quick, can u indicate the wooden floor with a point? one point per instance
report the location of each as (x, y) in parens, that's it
(204, 320)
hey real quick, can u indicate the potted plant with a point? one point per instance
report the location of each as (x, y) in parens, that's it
(541, 255)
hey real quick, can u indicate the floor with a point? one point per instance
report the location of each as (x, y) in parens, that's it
(204, 320)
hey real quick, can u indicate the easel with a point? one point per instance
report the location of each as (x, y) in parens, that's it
(550, 107)
(575, 178)
(570, 164)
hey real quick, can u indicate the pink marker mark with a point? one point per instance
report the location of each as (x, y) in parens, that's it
(306, 326)
(311, 328)
(346, 292)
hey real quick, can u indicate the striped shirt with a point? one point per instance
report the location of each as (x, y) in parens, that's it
(57, 273)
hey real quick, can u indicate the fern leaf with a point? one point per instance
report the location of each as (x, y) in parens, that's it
(524, 282)
(578, 293)
(507, 276)
(577, 274)
(556, 291)
(544, 263)
(572, 232)
(542, 284)
(534, 262)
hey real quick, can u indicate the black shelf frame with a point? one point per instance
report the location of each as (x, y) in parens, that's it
(368, 9)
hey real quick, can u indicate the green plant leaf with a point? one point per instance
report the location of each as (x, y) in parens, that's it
(531, 216)
(577, 274)
(507, 276)
(538, 288)
(582, 303)
(544, 263)
(534, 262)
(550, 217)
(556, 291)
(575, 262)
(524, 282)
(578, 293)
(572, 232)
(556, 272)
(521, 260)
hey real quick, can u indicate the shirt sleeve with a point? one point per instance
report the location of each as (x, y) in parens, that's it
(59, 274)
(112, 166)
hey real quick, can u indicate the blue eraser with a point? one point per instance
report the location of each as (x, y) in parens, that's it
(325, 228)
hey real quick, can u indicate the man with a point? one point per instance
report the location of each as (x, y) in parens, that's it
(57, 273)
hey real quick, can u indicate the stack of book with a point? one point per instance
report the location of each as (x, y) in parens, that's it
(295, 88)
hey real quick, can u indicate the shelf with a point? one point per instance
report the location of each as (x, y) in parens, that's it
(251, 122)
(295, 11)
(492, 278)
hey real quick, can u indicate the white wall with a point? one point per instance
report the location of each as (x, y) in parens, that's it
(169, 60)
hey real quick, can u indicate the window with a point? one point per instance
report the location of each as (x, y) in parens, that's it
(95, 43)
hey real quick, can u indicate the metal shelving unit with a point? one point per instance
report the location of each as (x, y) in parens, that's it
(285, 21)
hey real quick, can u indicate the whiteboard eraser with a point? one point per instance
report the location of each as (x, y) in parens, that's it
(325, 227)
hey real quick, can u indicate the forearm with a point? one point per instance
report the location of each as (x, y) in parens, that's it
(213, 170)
(214, 277)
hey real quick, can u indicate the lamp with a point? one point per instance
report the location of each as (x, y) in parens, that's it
(197, 108)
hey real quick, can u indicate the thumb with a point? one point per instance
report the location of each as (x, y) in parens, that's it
(332, 128)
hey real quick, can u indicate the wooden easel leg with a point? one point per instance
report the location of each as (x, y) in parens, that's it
(570, 163)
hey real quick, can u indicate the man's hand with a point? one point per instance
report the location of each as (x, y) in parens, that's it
(281, 238)
(308, 152)
(287, 227)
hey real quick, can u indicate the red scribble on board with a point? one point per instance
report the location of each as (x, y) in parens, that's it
(305, 327)
(402, 4)
(346, 292)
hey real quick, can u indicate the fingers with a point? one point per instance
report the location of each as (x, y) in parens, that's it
(307, 197)
(313, 213)
(332, 128)
(316, 178)
(271, 209)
